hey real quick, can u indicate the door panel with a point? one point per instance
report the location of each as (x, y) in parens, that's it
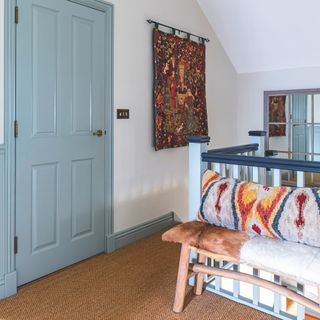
(81, 210)
(82, 67)
(44, 195)
(44, 57)
(60, 163)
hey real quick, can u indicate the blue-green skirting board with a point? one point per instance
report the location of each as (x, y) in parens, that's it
(125, 237)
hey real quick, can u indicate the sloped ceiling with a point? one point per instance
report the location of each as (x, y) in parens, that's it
(263, 35)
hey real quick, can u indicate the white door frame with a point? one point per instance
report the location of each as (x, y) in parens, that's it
(10, 277)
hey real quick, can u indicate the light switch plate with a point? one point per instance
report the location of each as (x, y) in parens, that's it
(123, 113)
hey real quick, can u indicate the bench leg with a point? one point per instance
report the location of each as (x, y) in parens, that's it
(200, 276)
(182, 279)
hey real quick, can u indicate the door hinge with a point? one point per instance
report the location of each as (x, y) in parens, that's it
(15, 245)
(16, 129)
(16, 14)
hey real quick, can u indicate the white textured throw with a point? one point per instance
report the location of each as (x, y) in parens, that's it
(288, 259)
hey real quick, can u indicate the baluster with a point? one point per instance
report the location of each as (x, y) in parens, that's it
(247, 173)
(247, 170)
(263, 176)
(300, 308)
(242, 171)
(300, 179)
(256, 289)
(217, 168)
(223, 170)
(255, 174)
(276, 177)
(256, 273)
(268, 174)
(236, 171)
(277, 297)
(217, 282)
(228, 171)
(236, 283)
(206, 276)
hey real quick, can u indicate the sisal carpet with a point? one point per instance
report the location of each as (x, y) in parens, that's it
(136, 282)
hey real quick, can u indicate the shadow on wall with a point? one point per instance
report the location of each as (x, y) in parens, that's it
(152, 200)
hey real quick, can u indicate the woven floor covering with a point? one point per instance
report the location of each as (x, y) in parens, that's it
(136, 282)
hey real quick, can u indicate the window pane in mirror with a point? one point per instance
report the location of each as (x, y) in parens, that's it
(301, 108)
(301, 139)
(317, 108)
(279, 137)
(279, 109)
(278, 130)
(309, 109)
(317, 139)
(300, 156)
(316, 157)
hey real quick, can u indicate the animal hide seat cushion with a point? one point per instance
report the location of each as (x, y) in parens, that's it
(284, 258)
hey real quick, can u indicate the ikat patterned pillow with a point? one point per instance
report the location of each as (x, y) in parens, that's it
(286, 213)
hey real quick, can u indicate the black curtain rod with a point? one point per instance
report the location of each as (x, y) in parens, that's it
(176, 29)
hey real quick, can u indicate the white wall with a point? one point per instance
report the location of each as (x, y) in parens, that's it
(267, 35)
(250, 88)
(148, 184)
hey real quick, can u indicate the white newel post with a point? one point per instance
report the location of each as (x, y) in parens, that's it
(197, 145)
(258, 136)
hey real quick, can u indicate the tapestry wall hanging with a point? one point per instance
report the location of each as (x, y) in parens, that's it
(277, 113)
(179, 90)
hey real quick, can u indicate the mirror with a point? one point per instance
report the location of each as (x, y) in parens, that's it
(292, 123)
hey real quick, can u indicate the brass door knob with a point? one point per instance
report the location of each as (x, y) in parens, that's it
(99, 133)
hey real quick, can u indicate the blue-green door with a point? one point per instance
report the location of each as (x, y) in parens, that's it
(60, 163)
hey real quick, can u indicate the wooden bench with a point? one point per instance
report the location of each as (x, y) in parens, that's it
(221, 244)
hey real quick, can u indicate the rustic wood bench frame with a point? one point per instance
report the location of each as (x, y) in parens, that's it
(200, 269)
